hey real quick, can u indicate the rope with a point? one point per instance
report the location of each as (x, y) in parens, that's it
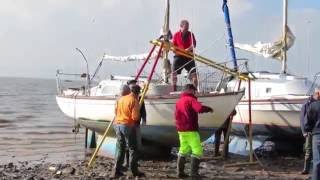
(76, 129)
(212, 44)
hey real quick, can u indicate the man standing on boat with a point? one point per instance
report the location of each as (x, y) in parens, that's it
(186, 117)
(127, 114)
(307, 136)
(312, 126)
(184, 39)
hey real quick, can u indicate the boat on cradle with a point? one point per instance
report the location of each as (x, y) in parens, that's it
(276, 97)
(93, 106)
(275, 106)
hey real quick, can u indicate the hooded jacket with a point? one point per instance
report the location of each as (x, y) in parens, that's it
(186, 113)
(312, 122)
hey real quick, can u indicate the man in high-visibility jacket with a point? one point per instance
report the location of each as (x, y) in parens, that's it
(186, 116)
(127, 114)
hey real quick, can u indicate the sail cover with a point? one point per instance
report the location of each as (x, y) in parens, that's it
(269, 50)
(133, 57)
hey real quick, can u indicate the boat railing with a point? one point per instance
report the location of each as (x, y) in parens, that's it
(315, 83)
(213, 80)
(71, 81)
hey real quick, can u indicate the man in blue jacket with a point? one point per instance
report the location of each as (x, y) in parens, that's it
(312, 126)
(307, 136)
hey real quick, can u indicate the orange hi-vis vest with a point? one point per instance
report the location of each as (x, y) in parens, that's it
(127, 110)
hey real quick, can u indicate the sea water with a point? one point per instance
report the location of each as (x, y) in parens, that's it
(32, 127)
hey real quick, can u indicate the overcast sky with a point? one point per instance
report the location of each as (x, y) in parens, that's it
(39, 36)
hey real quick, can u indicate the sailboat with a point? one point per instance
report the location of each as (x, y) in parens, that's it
(276, 97)
(93, 107)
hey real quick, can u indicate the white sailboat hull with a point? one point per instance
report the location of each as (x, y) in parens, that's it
(276, 103)
(97, 111)
(277, 117)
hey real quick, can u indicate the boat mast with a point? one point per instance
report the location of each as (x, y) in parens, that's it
(166, 37)
(284, 50)
(229, 31)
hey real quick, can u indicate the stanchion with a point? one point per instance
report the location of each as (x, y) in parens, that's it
(251, 162)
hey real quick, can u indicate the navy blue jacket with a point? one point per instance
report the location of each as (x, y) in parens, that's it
(312, 123)
(303, 113)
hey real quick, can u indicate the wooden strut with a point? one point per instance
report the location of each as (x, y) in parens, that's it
(141, 100)
(226, 139)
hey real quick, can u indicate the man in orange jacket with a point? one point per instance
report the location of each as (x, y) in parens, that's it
(127, 114)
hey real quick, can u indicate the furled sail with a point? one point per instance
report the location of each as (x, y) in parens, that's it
(269, 50)
(133, 57)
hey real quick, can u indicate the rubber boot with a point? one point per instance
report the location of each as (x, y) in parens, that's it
(116, 173)
(216, 149)
(181, 161)
(306, 167)
(136, 173)
(126, 159)
(195, 168)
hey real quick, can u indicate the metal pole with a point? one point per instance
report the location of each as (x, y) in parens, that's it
(150, 76)
(230, 36)
(166, 37)
(88, 76)
(100, 144)
(145, 62)
(284, 50)
(250, 121)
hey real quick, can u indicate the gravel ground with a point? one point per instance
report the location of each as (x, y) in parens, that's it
(277, 167)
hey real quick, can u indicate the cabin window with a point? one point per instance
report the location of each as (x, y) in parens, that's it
(110, 90)
(268, 90)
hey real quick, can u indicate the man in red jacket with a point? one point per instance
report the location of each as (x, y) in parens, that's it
(184, 39)
(186, 116)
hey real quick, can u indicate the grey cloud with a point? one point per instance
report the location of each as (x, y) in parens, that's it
(37, 37)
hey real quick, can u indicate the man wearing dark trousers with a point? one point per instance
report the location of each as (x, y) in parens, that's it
(127, 114)
(307, 136)
(184, 39)
(312, 126)
(142, 120)
(223, 129)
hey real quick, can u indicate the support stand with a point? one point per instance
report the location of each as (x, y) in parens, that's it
(226, 139)
(251, 162)
(141, 100)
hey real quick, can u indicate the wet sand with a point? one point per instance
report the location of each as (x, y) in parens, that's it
(280, 167)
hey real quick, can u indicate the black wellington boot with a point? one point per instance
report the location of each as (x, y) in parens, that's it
(181, 161)
(306, 167)
(195, 168)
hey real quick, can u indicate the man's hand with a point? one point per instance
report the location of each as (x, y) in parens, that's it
(189, 48)
(210, 109)
(306, 134)
(143, 123)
